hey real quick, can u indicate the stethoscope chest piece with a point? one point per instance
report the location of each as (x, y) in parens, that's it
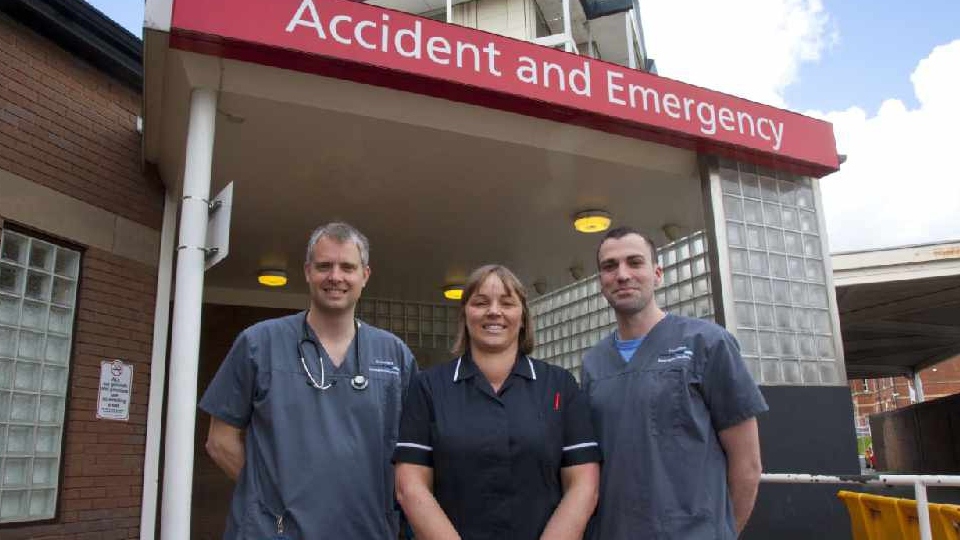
(359, 382)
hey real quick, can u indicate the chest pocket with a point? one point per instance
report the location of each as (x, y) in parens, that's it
(385, 381)
(669, 394)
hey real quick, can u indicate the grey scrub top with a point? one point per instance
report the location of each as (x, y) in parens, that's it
(657, 417)
(318, 458)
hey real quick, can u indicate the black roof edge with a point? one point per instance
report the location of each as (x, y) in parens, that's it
(83, 31)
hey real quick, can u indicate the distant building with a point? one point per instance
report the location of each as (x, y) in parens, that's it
(871, 396)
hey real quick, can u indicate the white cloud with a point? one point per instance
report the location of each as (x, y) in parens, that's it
(749, 48)
(901, 183)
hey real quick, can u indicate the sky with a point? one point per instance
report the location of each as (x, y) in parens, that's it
(886, 74)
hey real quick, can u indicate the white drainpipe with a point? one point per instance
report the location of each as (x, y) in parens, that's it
(188, 301)
(158, 368)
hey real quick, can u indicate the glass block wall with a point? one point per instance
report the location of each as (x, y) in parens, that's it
(417, 324)
(574, 318)
(686, 277)
(569, 321)
(778, 280)
(38, 288)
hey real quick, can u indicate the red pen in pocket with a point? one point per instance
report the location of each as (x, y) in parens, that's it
(556, 401)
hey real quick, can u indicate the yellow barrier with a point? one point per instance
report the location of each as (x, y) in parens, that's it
(875, 517)
(949, 518)
(882, 517)
(911, 520)
(858, 524)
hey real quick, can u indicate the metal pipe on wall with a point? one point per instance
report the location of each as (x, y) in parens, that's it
(188, 301)
(158, 367)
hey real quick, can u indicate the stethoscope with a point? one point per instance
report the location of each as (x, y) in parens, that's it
(359, 381)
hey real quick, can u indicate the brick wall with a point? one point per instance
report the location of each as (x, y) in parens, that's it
(102, 470)
(874, 396)
(69, 127)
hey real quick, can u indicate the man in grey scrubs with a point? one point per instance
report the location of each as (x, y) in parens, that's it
(305, 409)
(674, 407)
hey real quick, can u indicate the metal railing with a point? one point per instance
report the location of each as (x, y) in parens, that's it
(918, 481)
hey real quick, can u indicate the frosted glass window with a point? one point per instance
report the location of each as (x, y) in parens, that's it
(9, 309)
(779, 286)
(38, 290)
(418, 324)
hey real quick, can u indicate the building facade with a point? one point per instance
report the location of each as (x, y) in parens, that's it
(872, 396)
(78, 272)
(483, 127)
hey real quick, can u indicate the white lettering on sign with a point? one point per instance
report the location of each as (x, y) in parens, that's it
(412, 42)
(113, 399)
(413, 54)
(649, 100)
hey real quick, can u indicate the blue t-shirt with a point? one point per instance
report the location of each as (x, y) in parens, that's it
(627, 346)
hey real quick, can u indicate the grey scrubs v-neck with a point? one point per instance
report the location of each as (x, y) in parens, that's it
(657, 418)
(320, 459)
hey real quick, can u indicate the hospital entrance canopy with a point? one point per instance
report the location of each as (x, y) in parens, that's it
(449, 146)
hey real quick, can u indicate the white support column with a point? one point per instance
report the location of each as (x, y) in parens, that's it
(449, 11)
(158, 367)
(188, 298)
(569, 45)
(918, 386)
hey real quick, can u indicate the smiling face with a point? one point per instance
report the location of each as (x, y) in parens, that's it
(629, 274)
(335, 275)
(494, 316)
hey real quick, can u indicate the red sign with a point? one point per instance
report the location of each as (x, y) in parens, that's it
(378, 46)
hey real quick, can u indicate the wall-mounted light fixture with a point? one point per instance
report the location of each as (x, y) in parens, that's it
(272, 278)
(453, 292)
(591, 221)
(672, 231)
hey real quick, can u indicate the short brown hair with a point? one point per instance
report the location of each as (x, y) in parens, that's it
(513, 286)
(620, 232)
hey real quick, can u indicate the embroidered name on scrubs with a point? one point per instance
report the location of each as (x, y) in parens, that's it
(384, 366)
(672, 355)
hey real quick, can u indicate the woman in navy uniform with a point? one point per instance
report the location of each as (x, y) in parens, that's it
(495, 444)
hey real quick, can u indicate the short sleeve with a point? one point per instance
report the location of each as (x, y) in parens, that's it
(408, 367)
(230, 395)
(730, 392)
(415, 443)
(585, 379)
(579, 441)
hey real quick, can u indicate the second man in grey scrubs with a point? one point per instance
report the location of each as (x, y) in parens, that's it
(305, 409)
(674, 407)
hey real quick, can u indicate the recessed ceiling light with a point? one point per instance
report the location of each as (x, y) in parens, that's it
(592, 221)
(272, 278)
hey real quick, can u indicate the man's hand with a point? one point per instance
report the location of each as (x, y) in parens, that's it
(225, 446)
(741, 443)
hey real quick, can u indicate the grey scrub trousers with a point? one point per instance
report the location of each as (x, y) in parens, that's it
(657, 417)
(320, 459)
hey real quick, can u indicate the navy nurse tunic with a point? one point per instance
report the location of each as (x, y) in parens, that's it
(496, 457)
